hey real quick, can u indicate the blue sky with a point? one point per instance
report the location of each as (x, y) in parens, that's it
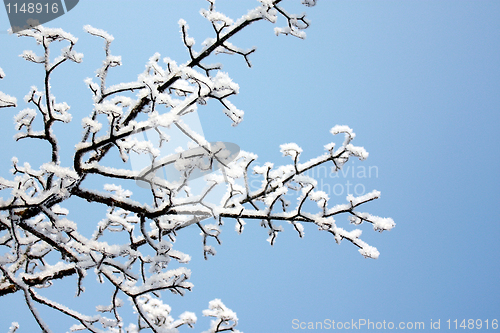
(418, 81)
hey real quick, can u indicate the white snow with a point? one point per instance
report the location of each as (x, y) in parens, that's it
(360, 152)
(31, 56)
(224, 316)
(319, 196)
(343, 129)
(6, 100)
(263, 169)
(72, 55)
(214, 16)
(98, 32)
(363, 198)
(233, 113)
(289, 31)
(369, 252)
(93, 125)
(59, 171)
(290, 149)
(223, 83)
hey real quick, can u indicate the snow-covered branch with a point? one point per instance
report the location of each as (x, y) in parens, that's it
(6, 100)
(131, 249)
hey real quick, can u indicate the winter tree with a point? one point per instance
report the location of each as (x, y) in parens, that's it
(131, 250)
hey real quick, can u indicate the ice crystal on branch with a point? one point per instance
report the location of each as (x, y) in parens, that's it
(6, 100)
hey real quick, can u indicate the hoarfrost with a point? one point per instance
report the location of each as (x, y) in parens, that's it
(132, 246)
(355, 201)
(7, 101)
(98, 32)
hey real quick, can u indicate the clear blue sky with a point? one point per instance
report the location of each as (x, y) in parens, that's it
(418, 81)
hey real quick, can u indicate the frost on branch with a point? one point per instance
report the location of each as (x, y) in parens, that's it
(156, 314)
(296, 23)
(187, 181)
(6, 100)
(45, 36)
(14, 327)
(225, 319)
